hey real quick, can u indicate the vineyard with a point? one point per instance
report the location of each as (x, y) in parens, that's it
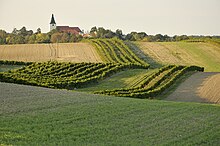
(63, 75)
(154, 84)
(115, 51)
(117, 57)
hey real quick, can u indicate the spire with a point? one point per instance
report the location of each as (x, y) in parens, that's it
(52, 20)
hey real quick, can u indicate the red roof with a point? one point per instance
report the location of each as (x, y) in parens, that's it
(67, 29)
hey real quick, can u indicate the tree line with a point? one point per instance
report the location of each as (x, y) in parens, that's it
(24, 36)
(100, 32)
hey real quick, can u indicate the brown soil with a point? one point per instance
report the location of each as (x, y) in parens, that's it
(73, 52)
(200, 87)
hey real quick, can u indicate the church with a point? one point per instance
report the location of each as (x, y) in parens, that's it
(67, 29)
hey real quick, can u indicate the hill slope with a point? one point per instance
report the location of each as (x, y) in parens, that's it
(40, 116)
(69, 52)
(200, 87)
(184, 53)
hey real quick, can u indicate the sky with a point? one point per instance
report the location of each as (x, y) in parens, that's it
(171, 17)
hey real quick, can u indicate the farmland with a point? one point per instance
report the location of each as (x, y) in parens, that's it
(68, 52)
(184, 53)
(200, 87)
(117, 55)
(40, 116)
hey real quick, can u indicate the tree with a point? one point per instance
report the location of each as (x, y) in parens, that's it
(3, 36)
(23, 31)
(32, 39)
(38, 31)
(65, 38)
(109, 34)
(93, 30)
(15, 31)
(42, 38)
(119, 33)
(56, 37)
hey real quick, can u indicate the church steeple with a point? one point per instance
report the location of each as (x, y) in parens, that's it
(52, 20)
(52, 23)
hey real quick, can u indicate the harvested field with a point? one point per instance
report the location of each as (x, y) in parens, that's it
(200, 87)
(68, 52)
(184, 53)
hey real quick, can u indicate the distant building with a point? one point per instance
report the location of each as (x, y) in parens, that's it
(67, 29)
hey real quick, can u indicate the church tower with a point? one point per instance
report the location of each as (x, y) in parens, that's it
(52, 23)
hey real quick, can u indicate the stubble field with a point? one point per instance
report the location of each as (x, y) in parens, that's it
(184, 53)
(68, 52)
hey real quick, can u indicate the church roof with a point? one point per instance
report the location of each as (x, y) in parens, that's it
(52, 20)
(73, 30)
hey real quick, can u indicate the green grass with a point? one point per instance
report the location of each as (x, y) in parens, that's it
(205, 58)
(4, 68)
(123, 79)
(40, 116)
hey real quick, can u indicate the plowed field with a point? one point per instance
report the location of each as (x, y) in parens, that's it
(73, 52)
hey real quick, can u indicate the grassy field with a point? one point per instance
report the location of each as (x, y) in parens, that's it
(40, 116)
(68, 52)
(124, 79)
(184, 53)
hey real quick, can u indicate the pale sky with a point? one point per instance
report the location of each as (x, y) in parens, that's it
(191, 17)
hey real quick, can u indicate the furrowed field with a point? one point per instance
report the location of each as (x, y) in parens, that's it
(123, 74)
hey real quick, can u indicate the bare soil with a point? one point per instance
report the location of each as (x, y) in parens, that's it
(201, 87)
(68, 52)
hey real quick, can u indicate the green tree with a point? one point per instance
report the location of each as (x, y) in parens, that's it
(65, 38)
(38, 30)
(42, 38)
(56, 37)
(93, 30)
(3, 36)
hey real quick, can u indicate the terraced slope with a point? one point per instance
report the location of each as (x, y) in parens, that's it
(184, 53)
(68, 52)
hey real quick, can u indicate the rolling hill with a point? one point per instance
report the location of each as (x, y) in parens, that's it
(184, 53)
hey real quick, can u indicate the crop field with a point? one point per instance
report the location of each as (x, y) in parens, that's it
(184, 53)
(67, 52)
(41, 116)
(118, 57)
(200, 87)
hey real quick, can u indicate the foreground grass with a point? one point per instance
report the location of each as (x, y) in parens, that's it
(39, 116)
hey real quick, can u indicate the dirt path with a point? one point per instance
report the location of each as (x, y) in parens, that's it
(200, 87)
